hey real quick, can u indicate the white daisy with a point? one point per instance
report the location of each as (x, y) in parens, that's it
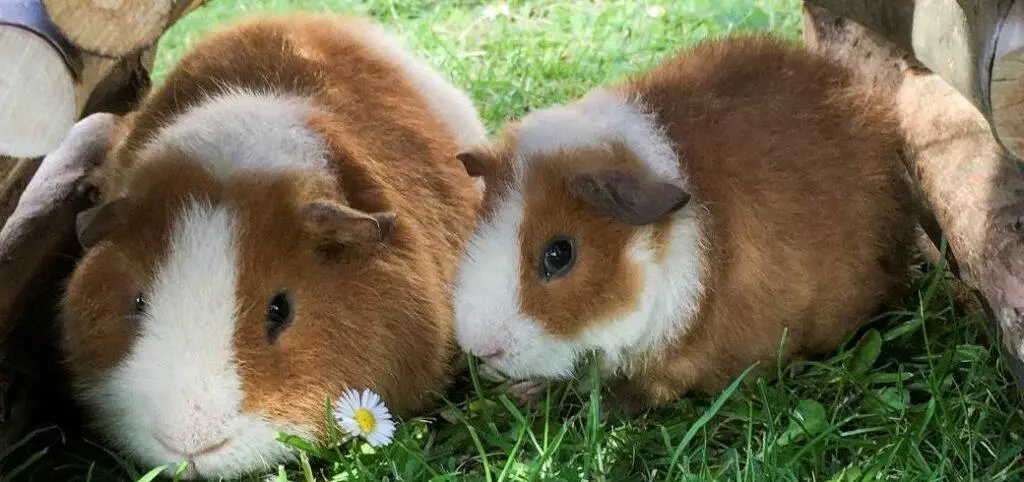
(364, 415)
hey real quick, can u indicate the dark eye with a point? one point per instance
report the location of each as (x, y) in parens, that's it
(140, 303)
(557, 257)
(279, 315)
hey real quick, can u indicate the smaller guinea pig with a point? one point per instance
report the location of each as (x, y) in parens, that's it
(683, 222)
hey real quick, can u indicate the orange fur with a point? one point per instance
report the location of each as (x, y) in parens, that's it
(795, 174)
(376, 316)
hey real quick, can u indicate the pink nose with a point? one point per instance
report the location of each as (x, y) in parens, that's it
(491, 355)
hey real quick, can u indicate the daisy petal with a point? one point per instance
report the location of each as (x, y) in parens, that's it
(372, 400)
(351, 427)
(351, 398)
(380, 440)
(345, 412)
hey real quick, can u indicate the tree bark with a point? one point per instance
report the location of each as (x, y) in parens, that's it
(974, 188)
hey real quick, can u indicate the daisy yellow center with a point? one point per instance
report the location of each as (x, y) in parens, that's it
(365, 420)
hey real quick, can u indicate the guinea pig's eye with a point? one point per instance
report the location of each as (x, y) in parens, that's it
(279, 315)
(140, 303)
(557, 257)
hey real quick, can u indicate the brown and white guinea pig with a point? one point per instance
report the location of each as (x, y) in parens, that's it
(280, 221)
(679, 222)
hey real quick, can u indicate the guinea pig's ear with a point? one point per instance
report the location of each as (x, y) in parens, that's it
(98, 222)
(477, 160)
(628, 197)
(340, 224)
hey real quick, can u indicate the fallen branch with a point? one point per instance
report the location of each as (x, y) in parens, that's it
(39, 230)
(972, 186)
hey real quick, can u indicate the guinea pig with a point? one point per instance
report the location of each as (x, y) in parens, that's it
(280, 221)
(681, 222)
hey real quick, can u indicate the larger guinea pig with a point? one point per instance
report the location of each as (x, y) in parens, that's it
(280, 221)
(681, 222)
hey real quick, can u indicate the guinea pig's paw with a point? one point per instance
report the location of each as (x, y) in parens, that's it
(527, 392)
(627, 399)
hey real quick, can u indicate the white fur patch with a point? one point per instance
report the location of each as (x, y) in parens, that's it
(595, 121)
(487, 312)
(669, 299)
(242, 131)
(179, 392)
(450, 104)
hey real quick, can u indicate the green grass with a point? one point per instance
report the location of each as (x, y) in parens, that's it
(919, 395)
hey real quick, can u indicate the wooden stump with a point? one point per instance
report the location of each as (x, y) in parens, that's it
(37, 81)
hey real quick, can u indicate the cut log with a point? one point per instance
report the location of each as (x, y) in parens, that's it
(975, 190)
(114, 28)
(39, 98)
(1007, 91)
(37, 252)
(47, 83)
(976, 46)
(39, 104)
(37, 81)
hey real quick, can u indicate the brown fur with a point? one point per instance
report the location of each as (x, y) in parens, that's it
(604, 281)
(794, 172)
(367, 315)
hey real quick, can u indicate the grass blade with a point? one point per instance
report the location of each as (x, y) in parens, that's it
(705, 418)
(152, 474)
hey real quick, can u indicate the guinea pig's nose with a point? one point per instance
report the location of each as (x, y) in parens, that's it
(492, 355)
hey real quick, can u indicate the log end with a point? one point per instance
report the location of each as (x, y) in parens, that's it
(111, 28)
(1007, 100)
(37, 94)
(1006, 91)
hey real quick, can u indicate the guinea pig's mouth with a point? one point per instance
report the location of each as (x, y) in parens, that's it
(192, 459)
(491, 372)
(207, 450)
(502, 368)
